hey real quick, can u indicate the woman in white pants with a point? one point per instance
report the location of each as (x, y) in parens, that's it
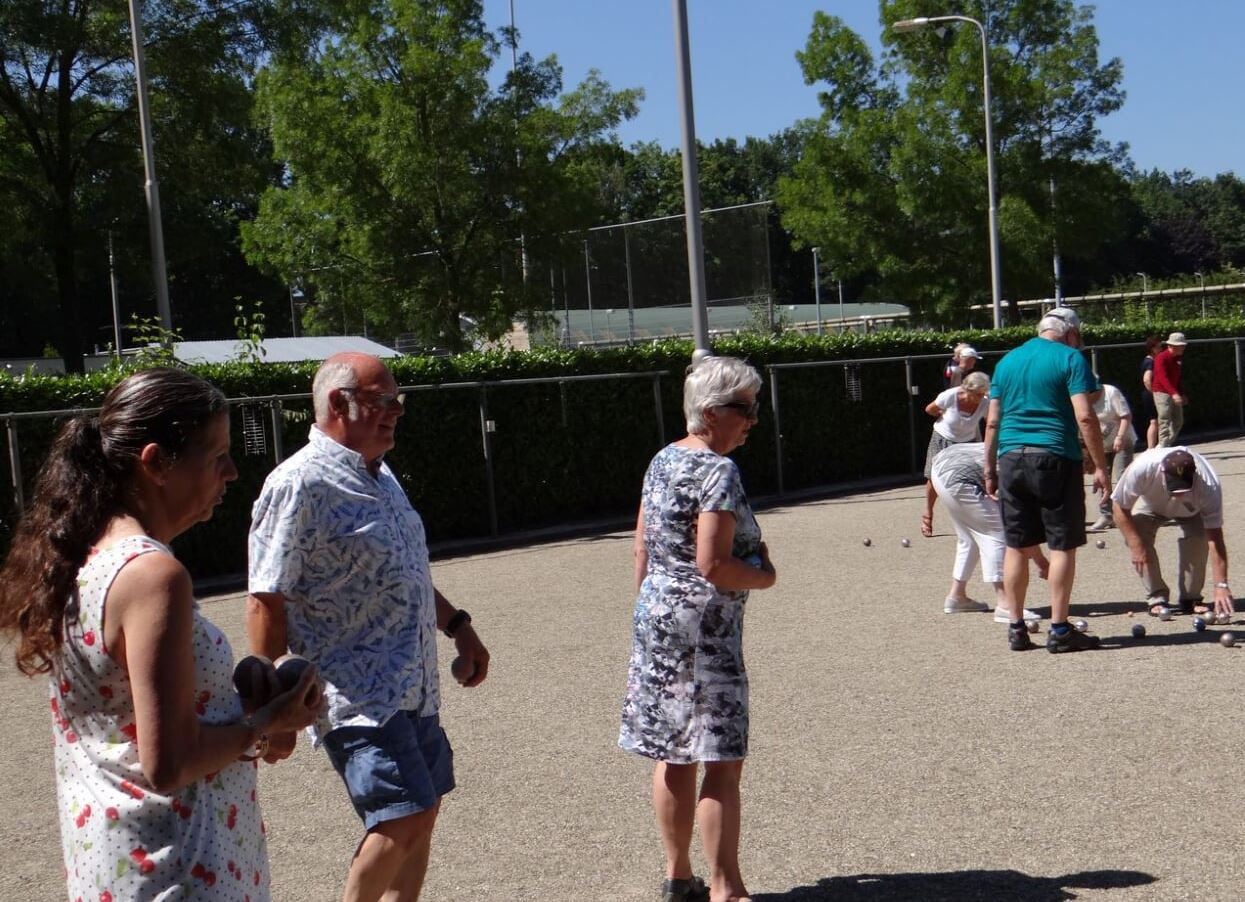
(958, 475)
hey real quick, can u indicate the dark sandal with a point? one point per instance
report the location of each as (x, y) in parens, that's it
(692, 889)
(927, 525)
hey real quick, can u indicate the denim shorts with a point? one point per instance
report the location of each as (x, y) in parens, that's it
(399, 768)
(1042, 499)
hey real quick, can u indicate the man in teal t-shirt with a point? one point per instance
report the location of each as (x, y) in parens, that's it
(1039, 400)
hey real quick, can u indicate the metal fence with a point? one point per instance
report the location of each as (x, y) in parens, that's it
(488, 459)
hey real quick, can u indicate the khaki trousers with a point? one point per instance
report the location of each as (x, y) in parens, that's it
(1191, 553)
(1170, 417)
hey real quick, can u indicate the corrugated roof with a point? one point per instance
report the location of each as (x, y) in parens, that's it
(280, 350)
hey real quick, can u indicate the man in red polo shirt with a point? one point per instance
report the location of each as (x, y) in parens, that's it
(1169, 399)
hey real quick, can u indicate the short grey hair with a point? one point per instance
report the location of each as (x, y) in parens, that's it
(714, 382)
(335, 374)
(976, 382)
(1055, 324)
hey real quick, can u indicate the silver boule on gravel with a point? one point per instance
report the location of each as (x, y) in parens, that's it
(1080, 625)
(1227, 640)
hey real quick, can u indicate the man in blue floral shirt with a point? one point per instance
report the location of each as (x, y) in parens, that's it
(339, 574)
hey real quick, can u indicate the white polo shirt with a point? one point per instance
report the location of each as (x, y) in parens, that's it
(1143, 489)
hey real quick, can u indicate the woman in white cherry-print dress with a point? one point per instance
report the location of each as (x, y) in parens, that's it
(154, 767)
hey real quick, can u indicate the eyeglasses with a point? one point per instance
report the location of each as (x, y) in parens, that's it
(749, 409)
(381, 400)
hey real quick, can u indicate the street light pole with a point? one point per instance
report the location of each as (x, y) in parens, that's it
(1202, 282)
(1145, 288)
(995, 272)
(691, 186)
(817, 288)
(159, 272)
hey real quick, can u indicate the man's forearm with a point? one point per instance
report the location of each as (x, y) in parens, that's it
(1218, 555)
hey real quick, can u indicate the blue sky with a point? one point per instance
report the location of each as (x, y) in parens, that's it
(1183, 71)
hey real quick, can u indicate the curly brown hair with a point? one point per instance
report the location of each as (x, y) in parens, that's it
(81, 487)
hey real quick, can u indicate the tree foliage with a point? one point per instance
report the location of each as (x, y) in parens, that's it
(412, 187)
(892, 179)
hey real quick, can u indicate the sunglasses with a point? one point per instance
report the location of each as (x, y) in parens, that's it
(380, 400)
(749, 409)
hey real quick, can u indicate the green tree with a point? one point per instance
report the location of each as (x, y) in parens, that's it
(409, 182)
(891, 181)
(69, 166)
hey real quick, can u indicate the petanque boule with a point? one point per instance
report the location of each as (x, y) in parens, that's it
(1139, 631)
(1033, 626)
(255, 680)
(1223, 619)
(461, 670)
(290, 670)
(1080, 625)
(1199, 624)
(1227, 640)
(1101, 543)
(868, 541)
(905, 542)
(1165, 613)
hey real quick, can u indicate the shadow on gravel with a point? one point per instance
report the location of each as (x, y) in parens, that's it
(957, 886)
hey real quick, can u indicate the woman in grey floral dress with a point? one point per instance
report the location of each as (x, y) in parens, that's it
(698, 551)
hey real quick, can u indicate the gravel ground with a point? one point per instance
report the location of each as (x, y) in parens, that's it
(897, 753)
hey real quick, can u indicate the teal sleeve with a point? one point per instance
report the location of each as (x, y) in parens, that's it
(1081, 379)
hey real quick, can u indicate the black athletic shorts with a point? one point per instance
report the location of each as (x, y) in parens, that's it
(1042, 499)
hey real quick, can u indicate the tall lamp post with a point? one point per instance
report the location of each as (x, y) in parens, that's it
(905, 25)
(817, 288)
(159, 271)
(691, 186)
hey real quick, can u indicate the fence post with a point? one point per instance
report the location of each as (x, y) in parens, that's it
(773, 394)
(910, 390)
(274, 414)
(15, 465)
(661, 417)
(1240, 382)
(487, 428)
(1093, 361)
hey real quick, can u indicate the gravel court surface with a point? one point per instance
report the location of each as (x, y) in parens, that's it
(897, 753)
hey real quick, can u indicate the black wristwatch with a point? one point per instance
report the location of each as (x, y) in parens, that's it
(460, 617)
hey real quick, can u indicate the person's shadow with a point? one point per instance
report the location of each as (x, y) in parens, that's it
(956, 886)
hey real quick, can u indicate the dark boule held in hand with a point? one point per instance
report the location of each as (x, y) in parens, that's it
(255, 680)
(290, 670)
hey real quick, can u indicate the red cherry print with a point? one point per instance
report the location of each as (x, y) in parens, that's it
(112, 814)
(257, 878)
(89, 637)
(130, 731)
(138, 853)
(105, 896)
(253, 795)
(146, 866)
(105, 691)
(65, 687)
(127, 786)
(86, 811)
(71, 736)
(210, 878)
(198, 871)
(232, 820)
(56, 707)
(80, 821)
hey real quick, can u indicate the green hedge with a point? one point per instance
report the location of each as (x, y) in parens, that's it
(577, 450)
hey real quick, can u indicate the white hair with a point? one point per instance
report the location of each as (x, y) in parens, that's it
(977, 382)
(715, 381)
(335, 374)
(1056, 324)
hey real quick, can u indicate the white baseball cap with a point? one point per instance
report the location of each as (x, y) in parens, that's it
(1067, 314)
(968, 351)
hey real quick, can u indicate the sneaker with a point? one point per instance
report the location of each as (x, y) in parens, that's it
(1003, 615)
(1070, 641)
(1018, 639)
(1102, 524)
(963, 606)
